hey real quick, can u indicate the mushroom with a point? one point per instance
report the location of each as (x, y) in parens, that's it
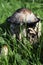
(4, 50)
(22, 16)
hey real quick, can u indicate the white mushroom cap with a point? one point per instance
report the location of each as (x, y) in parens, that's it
(23, 15)
(4, 50)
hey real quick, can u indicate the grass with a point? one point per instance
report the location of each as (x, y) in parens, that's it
(19, 53)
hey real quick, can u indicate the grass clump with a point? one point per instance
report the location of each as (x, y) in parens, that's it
(19, 53)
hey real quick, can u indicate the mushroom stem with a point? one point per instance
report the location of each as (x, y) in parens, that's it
(32, 31)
